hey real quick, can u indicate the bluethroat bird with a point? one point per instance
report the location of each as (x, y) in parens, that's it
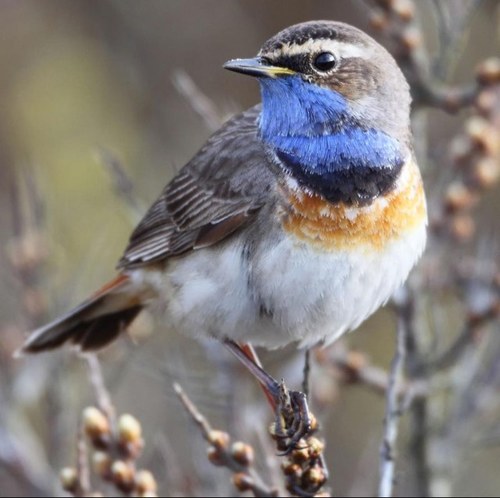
(295, 221)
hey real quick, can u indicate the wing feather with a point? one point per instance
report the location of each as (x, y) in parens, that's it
(221, 189)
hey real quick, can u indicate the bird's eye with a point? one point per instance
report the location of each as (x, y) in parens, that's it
(324, 62)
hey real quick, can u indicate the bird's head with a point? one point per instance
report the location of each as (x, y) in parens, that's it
(327, 89)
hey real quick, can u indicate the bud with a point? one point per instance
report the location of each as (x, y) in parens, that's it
(486, 172)
(300, 455)
(379, 20)
(123, 476)
(69, 479)
(215, 457)
(314, 477)
(219, 439)
(313, 423)
(458, 197)
(488, 71)
(291, 469)
(101, 463)
(95, 423)
(486, 101)
(145, 482)
(462, 227)
(404, 10)
(242, 481)
(483, 134)
(129, 430)
(242, 453)
(315, 447)
(411, 39)
(461, 149)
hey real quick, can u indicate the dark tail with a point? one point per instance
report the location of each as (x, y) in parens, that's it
(93, 324)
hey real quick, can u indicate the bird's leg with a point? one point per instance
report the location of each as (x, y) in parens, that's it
(248, 357)
(306, 372)
(293, 420)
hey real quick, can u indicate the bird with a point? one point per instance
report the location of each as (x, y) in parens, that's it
(297, 219)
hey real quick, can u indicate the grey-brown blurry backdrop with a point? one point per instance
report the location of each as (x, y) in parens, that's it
(79, 76)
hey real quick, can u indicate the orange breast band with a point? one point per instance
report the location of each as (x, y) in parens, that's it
(328, 226)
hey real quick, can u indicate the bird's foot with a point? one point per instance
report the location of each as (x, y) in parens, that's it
(294, 422)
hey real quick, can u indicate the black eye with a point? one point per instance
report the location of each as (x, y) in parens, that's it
(324, 62)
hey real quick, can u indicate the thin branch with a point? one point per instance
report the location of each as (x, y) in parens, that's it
(200, 103)
(245, 477)
(122, 184)
(82, 464)
(97, 381)
(393, 411)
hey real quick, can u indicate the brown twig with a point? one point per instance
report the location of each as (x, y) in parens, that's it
(97, 380)
(237, 456)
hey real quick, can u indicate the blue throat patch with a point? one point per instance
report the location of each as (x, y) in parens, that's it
(318, 142)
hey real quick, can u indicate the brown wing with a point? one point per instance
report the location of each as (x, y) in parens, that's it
(217, 192)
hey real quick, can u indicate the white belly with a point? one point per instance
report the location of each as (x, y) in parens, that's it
(286, 291)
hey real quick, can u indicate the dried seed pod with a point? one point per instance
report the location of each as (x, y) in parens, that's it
(410, 39)
(404, 10)
(242, 481)
(486, 172)
(122, 475)
(488, 71)
(458, 197)
(300, 455)
(291, 469)
(462, 227)
(129, 430)
(242, 453)
(486, 101)
(69, 479)
(101, 463)
(314, 424)
(219, 439)
(95, 423)
(145, 482)
(461, 149)
(313, 477)
(483, 134)
(315, 447)
(379, 20)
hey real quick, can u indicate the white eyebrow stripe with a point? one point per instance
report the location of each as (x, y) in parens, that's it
(341, 49)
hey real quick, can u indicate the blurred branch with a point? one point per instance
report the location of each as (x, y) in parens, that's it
(97, 380)
(200, 103)
(393, 407)
(354, 367)
(122, 184)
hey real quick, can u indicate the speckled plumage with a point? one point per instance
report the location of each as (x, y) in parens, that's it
(297, 219)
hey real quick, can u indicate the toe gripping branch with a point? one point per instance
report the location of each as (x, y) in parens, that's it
(293, 418)
(304, 465)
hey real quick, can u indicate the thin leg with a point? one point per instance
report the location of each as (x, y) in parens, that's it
(248, 358)
(306, 372)
(293, 420)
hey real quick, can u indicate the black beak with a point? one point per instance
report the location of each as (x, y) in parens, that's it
(257, 67)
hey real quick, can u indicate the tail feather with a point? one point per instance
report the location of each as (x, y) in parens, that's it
(94, 323)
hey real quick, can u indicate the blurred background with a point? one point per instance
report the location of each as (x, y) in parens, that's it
(101, 103)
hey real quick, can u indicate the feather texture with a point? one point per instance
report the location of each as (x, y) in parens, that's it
(217, 192)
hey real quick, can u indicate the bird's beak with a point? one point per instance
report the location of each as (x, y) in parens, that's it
(257, 67)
